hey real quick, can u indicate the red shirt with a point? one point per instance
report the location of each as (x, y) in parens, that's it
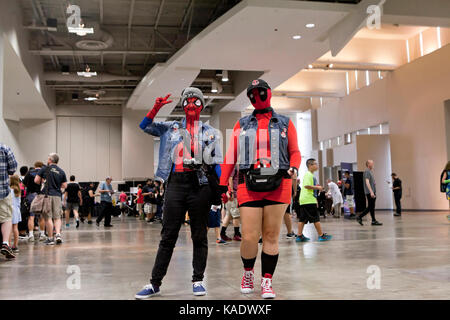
(123, 197)
(283, 193)
(140, 197)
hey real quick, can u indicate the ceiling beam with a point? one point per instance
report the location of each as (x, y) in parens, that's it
(158, 16)
(164, 39)
(186, 14)
(101, 11)
(94, 52)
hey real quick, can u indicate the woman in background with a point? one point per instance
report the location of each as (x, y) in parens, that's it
(14, 182)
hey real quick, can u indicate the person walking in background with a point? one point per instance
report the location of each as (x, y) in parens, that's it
(445, 182)
(149, 201)
(88, 202)
(397, 189)
(14, 182)
(231, 208)
(55, 180)
(140, 202)
(371, 194)
(33, 190)
(106, 192)
(123, 202)
(348, 194)
(336, 195)
(73, 199)
(308, 204)
(8, 165)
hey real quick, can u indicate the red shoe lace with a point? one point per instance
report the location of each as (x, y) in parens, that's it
(266, 285)
(247, 279)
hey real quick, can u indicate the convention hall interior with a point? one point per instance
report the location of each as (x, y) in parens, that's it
(360, 80)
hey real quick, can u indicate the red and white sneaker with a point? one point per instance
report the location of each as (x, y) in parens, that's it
(266, 287)
(247, 282)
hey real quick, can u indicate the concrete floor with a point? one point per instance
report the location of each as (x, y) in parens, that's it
(412, 253)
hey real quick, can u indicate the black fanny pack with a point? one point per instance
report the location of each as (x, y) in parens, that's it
(255, 181)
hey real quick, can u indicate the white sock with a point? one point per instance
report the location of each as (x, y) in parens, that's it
(42, 233)
(6, 242)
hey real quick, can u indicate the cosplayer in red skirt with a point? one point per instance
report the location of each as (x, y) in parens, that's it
(266, 144)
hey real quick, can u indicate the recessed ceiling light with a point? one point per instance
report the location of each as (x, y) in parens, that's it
(225, 76)
(310, 25)
(296, 37)
(330, 65)
(91, 98)
(310, 66)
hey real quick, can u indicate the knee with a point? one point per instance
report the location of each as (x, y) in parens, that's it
(250, 236)
(270, 237)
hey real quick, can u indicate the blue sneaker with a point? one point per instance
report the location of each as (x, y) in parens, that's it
(67, 225)
(147, 292)
(198, 289)
(302, 238)
(325, 237)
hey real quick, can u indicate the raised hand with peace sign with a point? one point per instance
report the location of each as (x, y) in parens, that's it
(159, 103)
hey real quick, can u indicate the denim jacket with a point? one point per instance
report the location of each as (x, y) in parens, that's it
(279, 154)
(170, 137)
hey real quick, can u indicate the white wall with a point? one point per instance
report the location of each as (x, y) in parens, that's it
(137, 146)
(411, 99)
(90, 147)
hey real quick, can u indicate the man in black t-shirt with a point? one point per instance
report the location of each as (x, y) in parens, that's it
(33, 189)
(150, 201)
(73, 199)
(397, 189)
(55, 180)
(348, 193)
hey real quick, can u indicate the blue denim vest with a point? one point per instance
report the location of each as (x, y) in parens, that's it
(170, 137)
(278, 130)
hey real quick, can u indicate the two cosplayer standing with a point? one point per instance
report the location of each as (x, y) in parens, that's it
(196, 175)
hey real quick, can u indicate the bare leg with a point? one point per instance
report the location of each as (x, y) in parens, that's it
(67, 213)
(16, 235)
(318, 228)
(272, 220)
(58, 226)
(251, 231)
(6, 230)
(301, 225)
(288, 222)
(49, 226)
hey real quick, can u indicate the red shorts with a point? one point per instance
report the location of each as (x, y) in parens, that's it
(282, 194)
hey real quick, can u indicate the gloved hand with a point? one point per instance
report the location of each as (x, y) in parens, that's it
(224, 198)
(159, 103)
(223, 193)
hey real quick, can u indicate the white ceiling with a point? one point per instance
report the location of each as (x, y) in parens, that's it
(245, 39)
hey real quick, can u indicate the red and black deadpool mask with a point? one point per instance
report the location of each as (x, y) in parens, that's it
(192, 108)
(259, 93)
(260, 98)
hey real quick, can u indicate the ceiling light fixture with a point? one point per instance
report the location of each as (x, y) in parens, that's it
(91, 98)
(310, 25)
(214, 88)
(330, 65)
(296, 37)
(310, 66)
(225, 76)
(87, 73)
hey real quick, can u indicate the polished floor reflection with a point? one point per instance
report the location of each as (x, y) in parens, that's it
(411, 253)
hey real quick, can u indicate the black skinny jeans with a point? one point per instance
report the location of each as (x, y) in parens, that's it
(398, 204)
(183, 194)
(370, 207)
(106, 210)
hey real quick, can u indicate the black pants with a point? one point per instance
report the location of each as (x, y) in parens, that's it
(105, 211)
(370, 207)
(182, 195)
(398, 204)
